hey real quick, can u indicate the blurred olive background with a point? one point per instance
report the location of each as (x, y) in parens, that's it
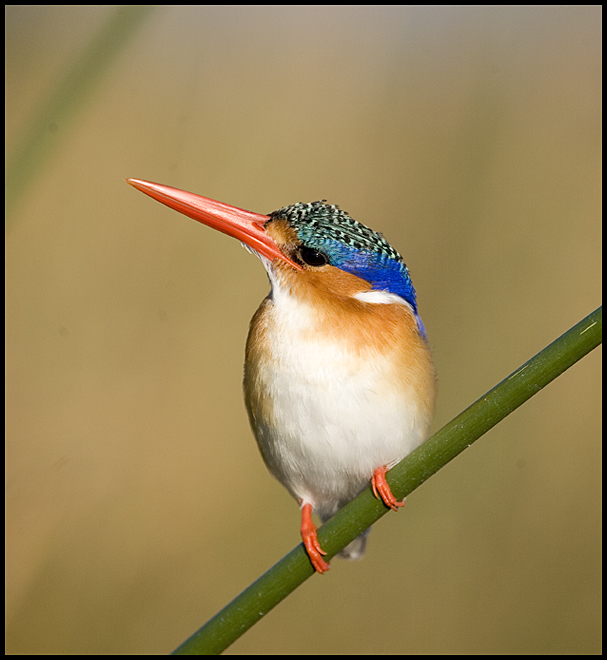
(137, 504)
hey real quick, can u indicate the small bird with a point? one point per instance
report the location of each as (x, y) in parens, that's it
(339, 381)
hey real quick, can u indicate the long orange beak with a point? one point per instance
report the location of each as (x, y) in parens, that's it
(246, 226)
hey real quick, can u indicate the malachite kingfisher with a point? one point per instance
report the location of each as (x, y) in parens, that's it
(339, 381)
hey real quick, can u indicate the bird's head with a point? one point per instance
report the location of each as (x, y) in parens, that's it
(315, 243)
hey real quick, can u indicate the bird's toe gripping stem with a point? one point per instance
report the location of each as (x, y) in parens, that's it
(381, 489)
(310, 539)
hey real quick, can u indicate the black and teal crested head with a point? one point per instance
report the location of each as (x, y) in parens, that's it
(350, 246)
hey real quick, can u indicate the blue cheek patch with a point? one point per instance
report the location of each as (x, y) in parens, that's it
(383, 273)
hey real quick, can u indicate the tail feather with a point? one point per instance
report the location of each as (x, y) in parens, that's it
(356, 549)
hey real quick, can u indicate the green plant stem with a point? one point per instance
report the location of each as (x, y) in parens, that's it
(293, 569)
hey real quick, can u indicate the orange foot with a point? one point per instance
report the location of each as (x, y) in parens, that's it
(381, 490)
(308, 534)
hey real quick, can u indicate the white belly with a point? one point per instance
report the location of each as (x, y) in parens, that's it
(324, 421)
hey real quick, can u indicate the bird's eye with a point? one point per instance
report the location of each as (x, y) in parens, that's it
(313, 257)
